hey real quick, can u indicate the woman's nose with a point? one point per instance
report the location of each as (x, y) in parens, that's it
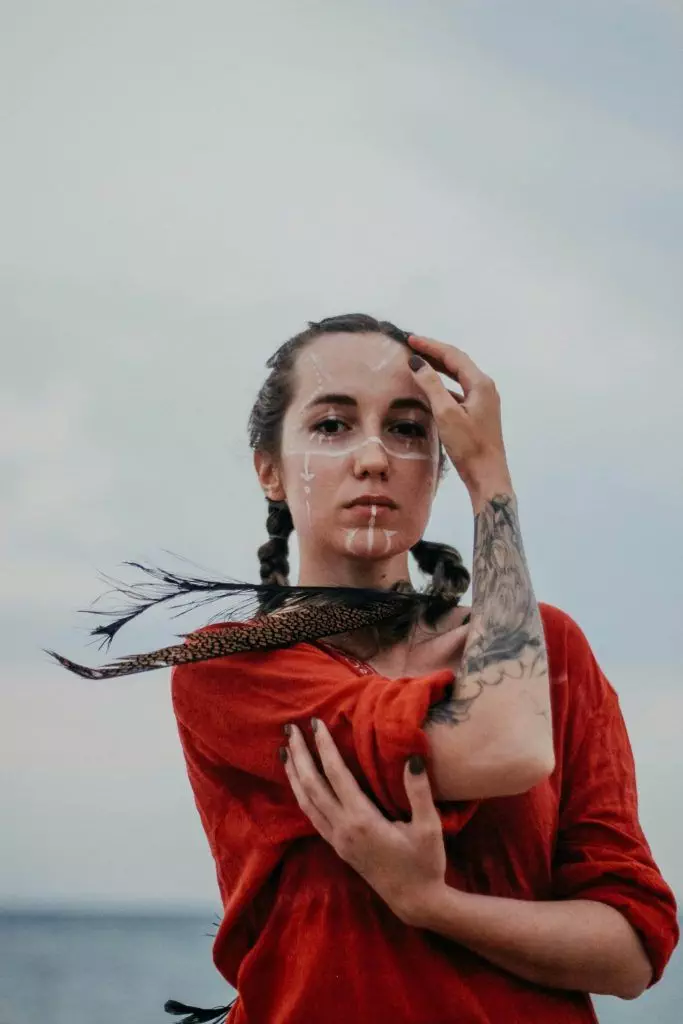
(371, 459)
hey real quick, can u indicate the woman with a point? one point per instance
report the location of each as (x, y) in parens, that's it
(353, 895)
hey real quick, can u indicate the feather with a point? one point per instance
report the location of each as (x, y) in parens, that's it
(164, 586)
(300, 613)
(195, 1014)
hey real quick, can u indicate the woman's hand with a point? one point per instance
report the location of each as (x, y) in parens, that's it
(469, 425)
(405, 863)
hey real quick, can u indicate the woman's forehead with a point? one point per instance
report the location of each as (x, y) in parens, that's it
(355, 364)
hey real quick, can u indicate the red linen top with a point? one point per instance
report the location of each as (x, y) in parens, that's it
(303, 938)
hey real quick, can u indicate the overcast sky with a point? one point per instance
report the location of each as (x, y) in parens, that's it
(183, 186)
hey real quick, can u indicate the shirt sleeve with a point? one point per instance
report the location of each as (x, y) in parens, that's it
(236, 707)
(602, 853)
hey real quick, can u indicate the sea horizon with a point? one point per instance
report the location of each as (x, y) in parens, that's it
(74, 962)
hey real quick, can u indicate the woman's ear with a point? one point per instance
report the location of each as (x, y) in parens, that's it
(269, 475)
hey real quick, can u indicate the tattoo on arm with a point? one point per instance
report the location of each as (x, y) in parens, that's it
(506, 638)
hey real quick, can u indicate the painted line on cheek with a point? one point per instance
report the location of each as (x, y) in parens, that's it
(307, 475)
(350, 535)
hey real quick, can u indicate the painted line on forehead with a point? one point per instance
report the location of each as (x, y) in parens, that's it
(390, 352)
(320, 372)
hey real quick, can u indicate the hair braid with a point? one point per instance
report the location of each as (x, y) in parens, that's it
(450, 578)
(273, 555)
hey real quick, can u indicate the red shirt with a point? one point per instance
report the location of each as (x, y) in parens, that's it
(303, 938)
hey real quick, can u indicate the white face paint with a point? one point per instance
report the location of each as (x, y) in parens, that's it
(398, 450)
(350, 537)
(388, 534)
(371, 528)
(315, 444)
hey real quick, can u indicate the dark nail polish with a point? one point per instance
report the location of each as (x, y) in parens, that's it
(466, 619)
(314, 724)
(416, 764)
(287, 729)
(415, 362)
(282, 754)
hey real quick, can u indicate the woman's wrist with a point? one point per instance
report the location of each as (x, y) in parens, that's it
(486, 482)
(425, 908)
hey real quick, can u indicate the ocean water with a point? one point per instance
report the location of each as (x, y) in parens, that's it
(97, 968)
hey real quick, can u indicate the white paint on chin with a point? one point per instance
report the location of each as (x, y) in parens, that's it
(370, 537)
(371, 527)
(350, 537)
(388, 534)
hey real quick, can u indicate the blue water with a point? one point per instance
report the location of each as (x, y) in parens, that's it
(58, 968)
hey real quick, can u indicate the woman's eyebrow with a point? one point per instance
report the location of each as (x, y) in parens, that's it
(398, 403)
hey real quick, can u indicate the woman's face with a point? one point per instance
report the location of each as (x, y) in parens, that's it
(359, 458)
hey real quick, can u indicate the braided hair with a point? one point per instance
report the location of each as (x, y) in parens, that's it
(285, 614)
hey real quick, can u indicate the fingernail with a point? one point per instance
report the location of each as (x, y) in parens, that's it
(282, 754)
(466, 619)
(287, 729)
(415, 362)
(416, 764)
(314, 724)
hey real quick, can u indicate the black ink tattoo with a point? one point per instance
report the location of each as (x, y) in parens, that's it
(506, 638)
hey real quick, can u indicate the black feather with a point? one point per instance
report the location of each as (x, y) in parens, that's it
(195, 1014)
(165, 585)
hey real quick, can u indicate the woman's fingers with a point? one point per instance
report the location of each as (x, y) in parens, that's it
(316, 817)
(470, 429)
(440, 398)
(344, 785)
(449, 360)
(310, 787)
(419, 793)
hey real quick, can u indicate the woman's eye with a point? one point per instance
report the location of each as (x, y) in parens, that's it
(331, 425)
(410, 428)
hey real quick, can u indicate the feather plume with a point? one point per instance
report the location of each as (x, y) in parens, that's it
(195, 1014)
(294, 614)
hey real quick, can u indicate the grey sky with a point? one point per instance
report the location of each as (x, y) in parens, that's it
(184, 185)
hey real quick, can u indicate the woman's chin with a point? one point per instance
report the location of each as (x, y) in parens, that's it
(372, 543)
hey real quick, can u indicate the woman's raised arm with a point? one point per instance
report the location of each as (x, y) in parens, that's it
(493, 735)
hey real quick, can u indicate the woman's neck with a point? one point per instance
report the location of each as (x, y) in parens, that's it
(338, 571)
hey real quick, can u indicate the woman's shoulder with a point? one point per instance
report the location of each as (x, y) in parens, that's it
(574, 668)
(561, 630)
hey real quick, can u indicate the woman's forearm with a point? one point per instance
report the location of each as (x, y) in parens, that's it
(502, 689)
(576, 944)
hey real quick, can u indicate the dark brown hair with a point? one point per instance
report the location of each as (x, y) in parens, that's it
(450, 578)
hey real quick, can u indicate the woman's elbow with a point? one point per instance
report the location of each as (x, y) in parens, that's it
(636, 980)
(484, 777)
(518, 773)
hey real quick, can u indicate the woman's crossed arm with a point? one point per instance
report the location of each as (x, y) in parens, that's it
(572, 944)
